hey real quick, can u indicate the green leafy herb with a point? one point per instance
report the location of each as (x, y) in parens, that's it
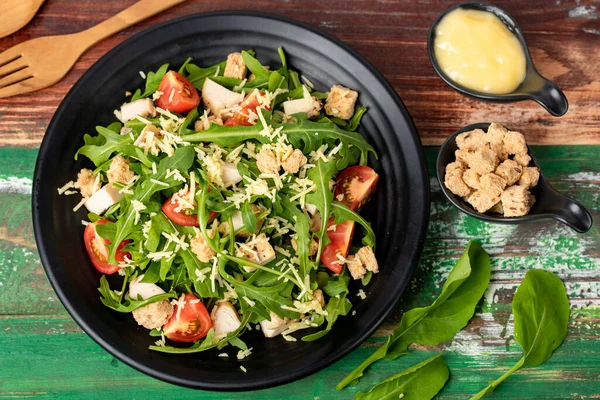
(152, 83)
(99, 149)
(419, 382)
(541, 310)
(337, 306)
(440, 321)
(110, 299)
(254, 66)
(343, 213)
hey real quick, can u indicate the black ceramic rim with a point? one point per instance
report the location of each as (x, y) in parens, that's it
(504, 17)
(418, 220)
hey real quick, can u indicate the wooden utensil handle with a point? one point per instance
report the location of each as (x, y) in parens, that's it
(130, 16)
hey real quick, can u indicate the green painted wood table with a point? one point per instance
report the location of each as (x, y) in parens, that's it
(44, 354)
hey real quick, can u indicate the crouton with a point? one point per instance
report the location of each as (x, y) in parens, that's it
(492, 184)
(516, 201)
(495, 134)
(340, 102)
(510, 171)
(266, 161)
(471, 178)
(119, 170)
(483, 161)
(530, 177)
(471, 140)
(453, 180)
(235, 66)
(313, 247)
(203, 124)
(200, 247)
(88, 183)
(293, 163)
(514, 143)
(153, 315)
(315, 222)
(357, 270)
(367, 258)
(462, 155)
(522, 159)
(258, 250)
(482, 201)
(318, 296)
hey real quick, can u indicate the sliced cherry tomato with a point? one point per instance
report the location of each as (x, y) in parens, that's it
(189, 324)
(178, 94)
(355, 184)
(98, 252)
(250, 103)
(183, 217)
(340, 238)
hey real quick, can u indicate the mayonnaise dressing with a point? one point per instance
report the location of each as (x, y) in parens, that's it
(475, 49)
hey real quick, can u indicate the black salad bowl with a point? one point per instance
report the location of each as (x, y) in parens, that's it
(399, 209)
(549, 204)
(534, 86)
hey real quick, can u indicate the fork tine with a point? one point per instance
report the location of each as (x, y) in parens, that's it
(17, 88)
(12, 67)
(10, 55)
(15, 77)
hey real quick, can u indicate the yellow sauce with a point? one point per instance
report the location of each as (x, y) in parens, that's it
(476, 49)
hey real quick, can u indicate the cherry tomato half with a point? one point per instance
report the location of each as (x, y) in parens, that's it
(179, 95)
(250, 103)
(355, 184)
(97, 250)
(191, 324)
(183, 217)
(341, 239)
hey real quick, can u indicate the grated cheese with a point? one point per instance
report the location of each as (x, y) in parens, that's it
(307, 82)
(66, 187)
(81, 203)
(201, 274)
(156, 95)
(161, 183)
(137, 207)
(180, 304)
(361, 293)
(143, 74)
(223, 355)
(241, 366)
(244, 353)
(282, 251)
(250, 302)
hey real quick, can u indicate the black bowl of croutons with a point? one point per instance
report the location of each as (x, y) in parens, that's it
(489, 173)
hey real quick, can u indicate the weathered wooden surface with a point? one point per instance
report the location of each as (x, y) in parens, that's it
(563, 35)
(44, 354)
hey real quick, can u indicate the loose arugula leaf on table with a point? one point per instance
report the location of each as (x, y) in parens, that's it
(111, 300)
(322, 197)
(99, 149)
(541, 310)
(440, 321)
(419, 382)
(152, 83)
(182, 160)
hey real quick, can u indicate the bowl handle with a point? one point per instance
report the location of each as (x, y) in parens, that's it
(551, 98)
(565, 210)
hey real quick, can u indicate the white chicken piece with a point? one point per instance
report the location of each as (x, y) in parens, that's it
(225, 319)
(311, 106)
(275, 326)
(103, 198)
(230, 174)
(139, 289)
(154, 315)
(217, 97)
(141, 107)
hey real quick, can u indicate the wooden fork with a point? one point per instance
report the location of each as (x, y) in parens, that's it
(41, 62)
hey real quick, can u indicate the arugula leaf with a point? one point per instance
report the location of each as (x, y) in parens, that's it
(182, 69)
(111, 300)
(152, 83)
(337, 306)
(541, 310)
(227, 136)
(248, 218)
(419, 382)
(301, 225)
(254, 66)
(343, 213)
(207, 343)
(99, 149)
(197, 75)
(322, 197)
(440, 321)
(355, 120)
(182, 160)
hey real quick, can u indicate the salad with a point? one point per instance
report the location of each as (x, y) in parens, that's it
(225, 199)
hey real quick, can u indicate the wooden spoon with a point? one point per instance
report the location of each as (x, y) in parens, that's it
(15, 14)
(41, 62)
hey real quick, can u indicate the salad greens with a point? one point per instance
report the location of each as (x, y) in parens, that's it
(185, 206)
(419, 382)
(541, 310)
(440, 321)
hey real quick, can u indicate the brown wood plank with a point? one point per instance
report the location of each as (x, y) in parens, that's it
(564, 37)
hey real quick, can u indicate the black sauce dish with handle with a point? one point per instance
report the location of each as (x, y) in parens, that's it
(534, 86)
(550, 204)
